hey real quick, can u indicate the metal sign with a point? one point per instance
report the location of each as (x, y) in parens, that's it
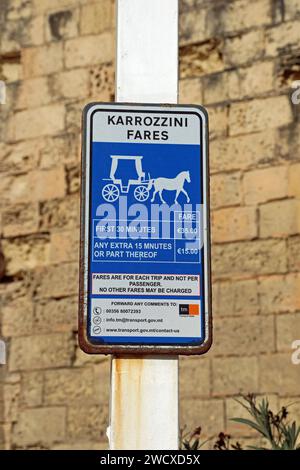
(145, 249)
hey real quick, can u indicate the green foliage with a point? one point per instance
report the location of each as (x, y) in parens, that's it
(191, 441)
(279, 433)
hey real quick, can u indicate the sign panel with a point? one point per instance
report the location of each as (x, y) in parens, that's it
(145, 277)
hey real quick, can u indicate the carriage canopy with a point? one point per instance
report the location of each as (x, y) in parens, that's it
(138, 165)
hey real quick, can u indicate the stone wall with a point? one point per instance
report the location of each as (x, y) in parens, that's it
(239, 59)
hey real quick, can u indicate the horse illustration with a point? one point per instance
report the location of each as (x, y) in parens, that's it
(170, 184)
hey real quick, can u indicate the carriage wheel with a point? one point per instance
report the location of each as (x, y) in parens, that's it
(110, 192)
(141, 193)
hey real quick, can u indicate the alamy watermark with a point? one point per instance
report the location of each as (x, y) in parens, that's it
(128, 231)
(159, 221)
(295, 97)
(295, 358)
(2, 92)
(2, 352)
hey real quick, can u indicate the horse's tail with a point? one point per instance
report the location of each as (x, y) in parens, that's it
(150, 184)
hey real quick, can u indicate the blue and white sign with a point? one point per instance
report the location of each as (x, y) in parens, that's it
(145, 281)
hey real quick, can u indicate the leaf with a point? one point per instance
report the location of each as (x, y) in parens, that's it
(252, 424)
(204, 442)
(291, 434)
(195, 445)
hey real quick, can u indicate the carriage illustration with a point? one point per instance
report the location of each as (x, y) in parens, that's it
(115, 186)
(111, 191)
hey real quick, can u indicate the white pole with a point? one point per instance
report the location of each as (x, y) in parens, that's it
(144, 390)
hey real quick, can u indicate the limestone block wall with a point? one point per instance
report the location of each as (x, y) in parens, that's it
(239, 59)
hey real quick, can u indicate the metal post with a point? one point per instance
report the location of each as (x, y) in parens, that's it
(144, 390)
